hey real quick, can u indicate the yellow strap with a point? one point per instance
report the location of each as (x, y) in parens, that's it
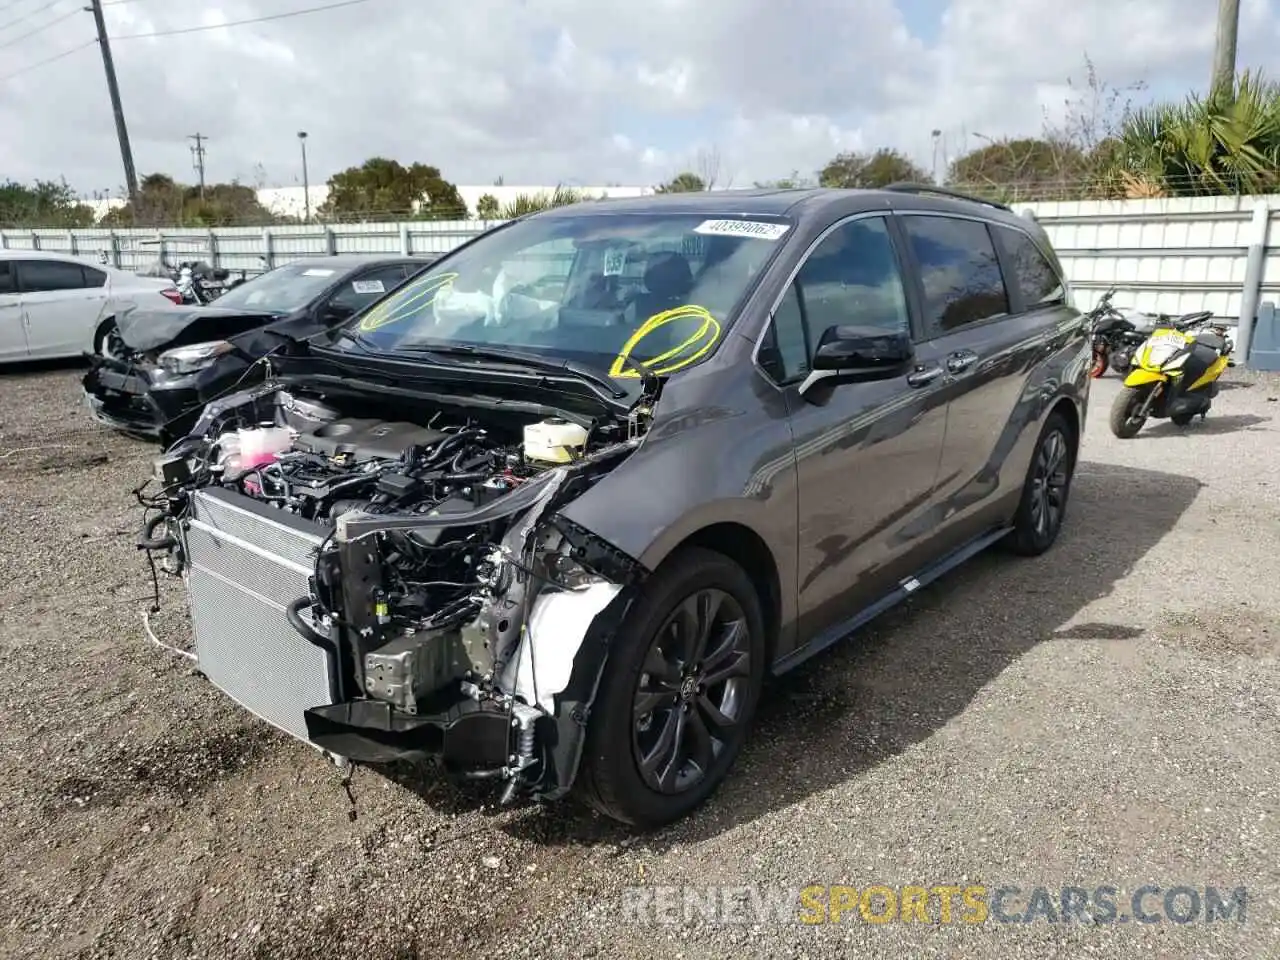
(708, 330)
(382, 315)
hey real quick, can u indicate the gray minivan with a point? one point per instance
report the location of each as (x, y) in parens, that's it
(550, 512)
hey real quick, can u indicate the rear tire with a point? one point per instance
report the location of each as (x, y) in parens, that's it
(1182, 419)
(1123, 422)
(652, 693)
(1045, 491)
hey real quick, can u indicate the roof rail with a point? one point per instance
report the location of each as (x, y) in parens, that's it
(908, 187)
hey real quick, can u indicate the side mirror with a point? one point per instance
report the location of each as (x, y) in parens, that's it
(859, 355)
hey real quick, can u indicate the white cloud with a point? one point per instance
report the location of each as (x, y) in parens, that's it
(586, 91)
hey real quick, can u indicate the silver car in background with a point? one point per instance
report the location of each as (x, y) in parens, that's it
(54, 305)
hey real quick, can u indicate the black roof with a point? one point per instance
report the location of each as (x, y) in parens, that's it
(797, 203)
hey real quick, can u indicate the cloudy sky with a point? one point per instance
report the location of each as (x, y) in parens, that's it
(575, 91)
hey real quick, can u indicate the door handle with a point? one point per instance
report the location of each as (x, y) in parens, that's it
(961, 360)
(922, 376)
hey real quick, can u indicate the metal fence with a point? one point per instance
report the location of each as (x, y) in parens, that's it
(1171, 255)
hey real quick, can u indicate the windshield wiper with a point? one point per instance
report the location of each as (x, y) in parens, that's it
(582, 371)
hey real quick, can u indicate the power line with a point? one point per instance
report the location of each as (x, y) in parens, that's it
(29, 14)
(240, 23)
(31, 33)
(41, 63)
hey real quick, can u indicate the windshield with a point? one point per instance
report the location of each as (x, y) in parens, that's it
(281, 290)
(660, 289)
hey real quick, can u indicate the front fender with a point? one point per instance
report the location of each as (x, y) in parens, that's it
(1141, 378)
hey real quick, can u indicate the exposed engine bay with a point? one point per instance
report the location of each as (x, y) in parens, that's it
(449, 598)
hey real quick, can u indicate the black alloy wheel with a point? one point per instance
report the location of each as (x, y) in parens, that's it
(690, 697)
(1049, 478)
(679, 689)
(1043, 506)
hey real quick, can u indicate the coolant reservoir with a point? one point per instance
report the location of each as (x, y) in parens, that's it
(259, 445)
(554, 441)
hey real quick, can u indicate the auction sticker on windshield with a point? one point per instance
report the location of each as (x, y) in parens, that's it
(743, 228)
(368, 286)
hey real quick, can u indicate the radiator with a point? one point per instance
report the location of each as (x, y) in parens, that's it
(246, 563)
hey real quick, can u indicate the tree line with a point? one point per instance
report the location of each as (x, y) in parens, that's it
(1227, 142)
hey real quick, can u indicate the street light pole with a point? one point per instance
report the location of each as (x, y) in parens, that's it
(306, 187)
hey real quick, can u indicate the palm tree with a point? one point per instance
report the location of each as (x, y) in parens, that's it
(1226, 143)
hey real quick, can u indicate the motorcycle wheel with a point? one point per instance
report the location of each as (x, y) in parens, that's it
(1125, 423)
(1182, 419)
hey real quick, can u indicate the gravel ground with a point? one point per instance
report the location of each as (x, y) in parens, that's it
(1104, 715)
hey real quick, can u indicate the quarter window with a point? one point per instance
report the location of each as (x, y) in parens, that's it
(44, 276)
(8, 282)
(1037, 282)
(959, 272)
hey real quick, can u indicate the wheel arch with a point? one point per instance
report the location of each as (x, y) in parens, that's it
(103, 325)
(1071, 413)
(745, 547)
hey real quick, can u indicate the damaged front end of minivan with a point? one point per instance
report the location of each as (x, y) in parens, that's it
(401, 586)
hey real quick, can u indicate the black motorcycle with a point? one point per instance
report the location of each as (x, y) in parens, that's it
(1115, 338)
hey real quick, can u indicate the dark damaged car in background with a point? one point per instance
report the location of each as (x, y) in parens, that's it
(550, 513)
(156, 369)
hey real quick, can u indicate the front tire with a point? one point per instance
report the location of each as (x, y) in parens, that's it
(1043, 506)
(678, 694)
(106, 341)
(1125, 421)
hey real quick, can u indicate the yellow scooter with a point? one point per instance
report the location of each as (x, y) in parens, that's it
(1174, 375)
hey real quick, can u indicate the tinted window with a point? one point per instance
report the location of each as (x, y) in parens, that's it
(1035, 279)
(40, 276)
(852, 279)
(94, 277)
(360, 291)
(958, 270)
(784, 353)
(8, 282)
(282, 290)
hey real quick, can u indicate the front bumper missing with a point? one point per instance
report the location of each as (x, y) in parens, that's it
(247, 565)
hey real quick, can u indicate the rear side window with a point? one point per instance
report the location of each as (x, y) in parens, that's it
(959, 272)
(94, 277)
(44, 276)
(1037, 283)
(8, 282)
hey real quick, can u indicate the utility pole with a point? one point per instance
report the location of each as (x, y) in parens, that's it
(306, 187)
(122, 132)
(1224, 47)
(197, 157)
